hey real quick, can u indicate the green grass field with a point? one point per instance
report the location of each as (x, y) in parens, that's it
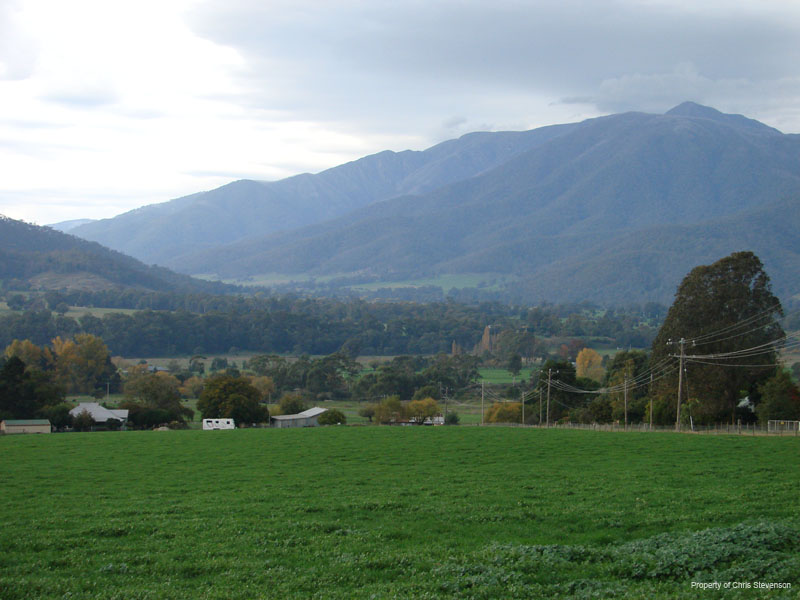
(382, 512)
(493, 375)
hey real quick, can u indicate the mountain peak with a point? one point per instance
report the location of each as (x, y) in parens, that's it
(693, 109)
(698, 111)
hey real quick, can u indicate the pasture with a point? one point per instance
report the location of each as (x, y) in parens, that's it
(378, 512)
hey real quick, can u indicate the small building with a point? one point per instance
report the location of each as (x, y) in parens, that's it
(215, 424)
(100, 414)
(307, 418)
(10, 426)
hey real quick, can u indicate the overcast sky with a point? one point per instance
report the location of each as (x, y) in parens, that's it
(108, 105)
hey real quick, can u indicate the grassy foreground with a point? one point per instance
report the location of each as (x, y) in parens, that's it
(461, 512)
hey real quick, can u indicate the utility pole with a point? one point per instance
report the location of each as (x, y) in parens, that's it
(482, 384)
(682, 343)
(626, 402)
(549, 374)
(650, 391)
(522, 398)
(540, 407)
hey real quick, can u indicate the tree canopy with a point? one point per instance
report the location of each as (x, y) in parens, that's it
(720, 311)
(234, 397)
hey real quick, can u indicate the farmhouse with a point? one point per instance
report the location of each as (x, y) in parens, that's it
(100, 414)
(307, 418)
(25, 426)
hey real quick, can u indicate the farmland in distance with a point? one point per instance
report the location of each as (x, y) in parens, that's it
(360, 512)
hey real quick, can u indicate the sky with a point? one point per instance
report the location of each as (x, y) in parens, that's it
(109, 105)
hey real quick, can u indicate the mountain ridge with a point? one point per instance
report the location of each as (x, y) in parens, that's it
(165, 233)
(529, 203)
(45, 258)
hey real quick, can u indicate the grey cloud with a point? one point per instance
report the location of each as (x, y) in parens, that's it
(361, 61)
(81, 99)
(454, 122)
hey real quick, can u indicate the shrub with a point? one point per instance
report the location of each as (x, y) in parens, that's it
(367, 412)
(82, 422)
(504, 412)
(113, 424)
(332, 417)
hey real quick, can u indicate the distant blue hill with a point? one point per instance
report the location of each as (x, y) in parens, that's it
(65, 226)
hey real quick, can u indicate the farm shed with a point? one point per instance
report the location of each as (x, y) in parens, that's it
(307, 418)
(10, 426)
(100, 414)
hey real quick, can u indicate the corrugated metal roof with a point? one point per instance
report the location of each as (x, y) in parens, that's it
(99, 414)
(27, 422)
(306, 414)
(313, 412)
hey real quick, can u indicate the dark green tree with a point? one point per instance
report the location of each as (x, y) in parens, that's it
(720, 309)
(16, 301)
(23, 394)
(83, 421)
(219, 363)
(157, 391)
(367, 411)
(452, 418)
(58, 415)
(291, 404)
(780, 398)
(514, 365)
(244, 409)
(219, 389)
(561, 402)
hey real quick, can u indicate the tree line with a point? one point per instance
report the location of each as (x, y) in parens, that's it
(317, 326)
(725, 313)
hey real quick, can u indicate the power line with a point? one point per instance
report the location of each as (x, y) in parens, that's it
(737, 325)
(765, 348)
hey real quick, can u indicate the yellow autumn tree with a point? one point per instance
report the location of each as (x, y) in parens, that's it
(589, 364)
(265, 386)
(83, 363)
(390, 409)
(192, 387)
(422, 409)
(504, 412)
(32, 355)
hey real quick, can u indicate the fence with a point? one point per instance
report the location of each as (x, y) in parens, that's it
(718, 429)
(779, 426)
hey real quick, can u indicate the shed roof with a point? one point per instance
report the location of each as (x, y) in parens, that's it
(27, 422)
(306, 414)
(313, 412)
(99, 413)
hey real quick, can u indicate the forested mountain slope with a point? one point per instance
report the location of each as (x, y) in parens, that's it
(41, 257)
(167, 233)
(613, 209)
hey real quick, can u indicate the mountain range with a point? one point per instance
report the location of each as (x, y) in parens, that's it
(613, 209)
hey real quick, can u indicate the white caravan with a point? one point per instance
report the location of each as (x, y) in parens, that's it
(211, 424)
